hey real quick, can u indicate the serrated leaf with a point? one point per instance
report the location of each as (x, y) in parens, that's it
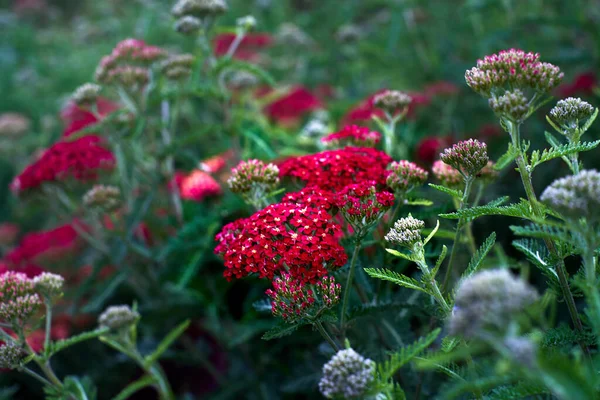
(538, 158)
(398, 359)
(506, 159)
(517, 210)
(449, 343)
(60, 345)
(167, 341)
(432, 234)
(439, 261)
(542, 232)
(281, 330)
(394, 277)
(419, 202)
(399, 254)
(590, 121)
(443, 189)
(480, 255)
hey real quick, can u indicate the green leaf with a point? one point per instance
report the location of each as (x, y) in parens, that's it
(419, 202)
(134, 387)
(451, 192)
(397, 360)
(506, 159)
(551, 139)
(449, 343)
(394, 277)
(433, 232)
(60, 345)
(517, 210)
(480, 255)
(396, 253)
(538, 158)
(542, 232)
(522, 390)
(281, 330)
(590, 121)
(168, 340)
(439, 261)
(537, 253)
(566, 378)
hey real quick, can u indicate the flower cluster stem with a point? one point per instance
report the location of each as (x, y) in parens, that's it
(461, 222)
(326, 336)
(525, 173)
(348, 287)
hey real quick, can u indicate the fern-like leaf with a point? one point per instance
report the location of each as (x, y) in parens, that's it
(479, 255)
(506, 159)
(394, 277)
(538, 158)
(397, 360)
(60, 345)
(282, 330)
(517, 210)
(443, 189)
(542, 232)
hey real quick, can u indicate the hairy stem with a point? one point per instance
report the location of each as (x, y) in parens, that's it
(459, 226)
(326, 335)
(525, 173)
(348, 287)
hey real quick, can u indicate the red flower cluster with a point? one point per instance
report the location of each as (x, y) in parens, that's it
(335, 169)
(281, 237)
(248, 47)
(353, 135)
(293, 105)
(80, 159)
(312, 196)
(582, 84)
(362, 205)
(53, 244)
(197, 185)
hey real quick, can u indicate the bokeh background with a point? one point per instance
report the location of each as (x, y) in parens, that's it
(340, 53)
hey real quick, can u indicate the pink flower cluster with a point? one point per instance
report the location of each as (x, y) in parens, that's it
(353, 135)
(18, 302)
(514, 68)
(282, 237)
(128, 63)
(403, 176)
(80, 159)
(335, 169)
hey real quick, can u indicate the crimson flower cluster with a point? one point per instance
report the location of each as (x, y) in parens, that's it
(353, 135)
(128, 63)
(335, 169)
(197, 185)
(80, 159)
(311, 196)
(362, 205)
(293, 105)
(248, 49)
(292, 300)
(282, 237)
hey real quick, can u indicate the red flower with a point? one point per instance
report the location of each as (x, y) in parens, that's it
(311, 196)
(353, 135)
(248, 47)
(429, 148)
(53, 244)
(583, 83)
(280, 237)
(197, 185)
(214, 164)
(80, 159)
(78, 118)
(335, 169)
(362, 205)
(292, 106)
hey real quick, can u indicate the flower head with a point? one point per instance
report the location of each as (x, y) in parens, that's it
(352, 135)
(103, 198)
(568, 113)
(335, 169)
(489, 299)
(575, 196)
(11, 355)
(253, 176)
(198, 185)
(49, 284)
(513, 68)
(468, 157)
(80, 159)
(312, 196)
(392, 101)
(293, 300)
(199, 8)
(446, 174)
(512, 105)
(282, 236)
(13, 124)
(177, 67)
(188, 25)
(362, 205)
(86, 95)
(118, 317)
(404, 176)
(18, 301)
(406, 232)
(347, 375)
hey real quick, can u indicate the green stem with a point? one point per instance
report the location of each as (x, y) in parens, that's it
(432, 283)
(461, 222)
(326, 335)
(170, 161)
(48, 303)
(525, 173)
(348, 287)
(37, 376)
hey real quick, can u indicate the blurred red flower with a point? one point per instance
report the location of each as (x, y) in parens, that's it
(289, 108)
(429, 149)
(78, 118)
(583, 83)
(248, 47)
